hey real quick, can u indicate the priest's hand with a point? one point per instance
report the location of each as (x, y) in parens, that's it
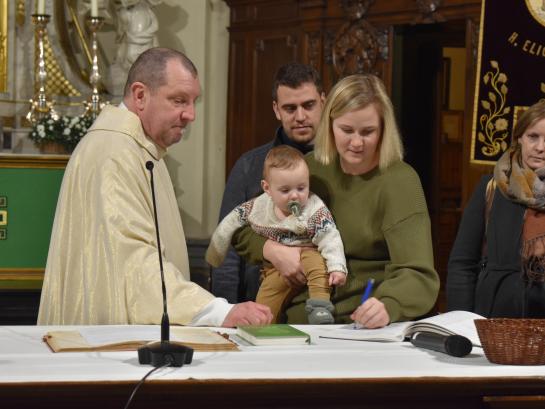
(371, 314)
(287, 260)
(248, 313)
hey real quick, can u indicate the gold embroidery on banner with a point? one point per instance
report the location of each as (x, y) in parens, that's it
(537, 10)
(493, 126)
(518, 110)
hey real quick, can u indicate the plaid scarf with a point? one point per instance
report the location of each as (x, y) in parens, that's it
(527, 187)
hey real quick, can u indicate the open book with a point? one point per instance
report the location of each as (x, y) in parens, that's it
(449, 323)
(132, 337)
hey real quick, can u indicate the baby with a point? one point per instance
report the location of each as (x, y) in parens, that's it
(288, 213)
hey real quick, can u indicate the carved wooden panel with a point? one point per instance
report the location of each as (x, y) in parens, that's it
(253, 62)
(237, 129)
(356, 49)
(270, 52)
(264, 34)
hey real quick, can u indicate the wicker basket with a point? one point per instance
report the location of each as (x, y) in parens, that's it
(511, 341)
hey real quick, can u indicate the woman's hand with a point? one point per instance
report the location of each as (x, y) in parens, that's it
(287, 260)
(337, 278)
(371, 314)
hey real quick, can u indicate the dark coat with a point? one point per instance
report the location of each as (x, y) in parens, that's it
(488, 282)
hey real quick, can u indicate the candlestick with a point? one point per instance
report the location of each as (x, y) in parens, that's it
(94, 105)
(94, 8)
(41, 7)
(40, 107)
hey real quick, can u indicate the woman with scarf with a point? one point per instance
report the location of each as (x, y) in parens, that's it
(497, 264)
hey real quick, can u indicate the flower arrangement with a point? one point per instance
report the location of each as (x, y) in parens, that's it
(64, 130)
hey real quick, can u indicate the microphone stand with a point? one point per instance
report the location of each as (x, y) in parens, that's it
(163, 352)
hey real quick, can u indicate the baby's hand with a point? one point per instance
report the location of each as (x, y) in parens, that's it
(337, 278)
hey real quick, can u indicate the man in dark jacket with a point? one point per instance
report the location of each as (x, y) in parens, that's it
(298, 100)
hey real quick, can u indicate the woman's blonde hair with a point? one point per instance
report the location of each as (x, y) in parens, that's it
(529, 117)
(353, 93)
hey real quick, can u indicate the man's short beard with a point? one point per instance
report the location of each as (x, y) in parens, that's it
(301, 139)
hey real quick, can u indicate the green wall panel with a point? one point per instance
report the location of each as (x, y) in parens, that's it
(31, 201)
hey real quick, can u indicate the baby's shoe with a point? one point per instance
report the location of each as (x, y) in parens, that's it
(319, 311)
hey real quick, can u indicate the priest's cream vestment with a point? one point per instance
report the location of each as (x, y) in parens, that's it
(103, 266)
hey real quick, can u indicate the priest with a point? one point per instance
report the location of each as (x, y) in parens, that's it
(103, 262)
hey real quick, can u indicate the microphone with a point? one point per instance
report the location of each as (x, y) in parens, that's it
(162, 353)
(453, 345)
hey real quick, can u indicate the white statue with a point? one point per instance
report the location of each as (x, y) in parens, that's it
(136, 32)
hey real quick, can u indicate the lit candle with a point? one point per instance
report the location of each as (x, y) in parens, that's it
(41, 6)
(94, 8)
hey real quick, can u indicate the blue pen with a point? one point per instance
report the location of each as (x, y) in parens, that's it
(364, 298)
(368, 290)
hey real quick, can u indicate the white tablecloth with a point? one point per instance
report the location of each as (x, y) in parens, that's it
(25, 358)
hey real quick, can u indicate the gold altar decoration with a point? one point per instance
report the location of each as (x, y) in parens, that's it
(3, 45)
(74, 38)
(57, 83)
(40, 106)
(20, 13)
(94, 104)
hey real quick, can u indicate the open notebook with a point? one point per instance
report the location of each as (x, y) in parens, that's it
(132, 337)
(449, 323)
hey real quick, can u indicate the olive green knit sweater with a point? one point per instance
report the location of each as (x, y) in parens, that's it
(385, 227)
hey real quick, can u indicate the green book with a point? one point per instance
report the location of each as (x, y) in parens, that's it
(273, 334)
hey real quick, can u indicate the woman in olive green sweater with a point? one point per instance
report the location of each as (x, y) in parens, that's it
(379, 208)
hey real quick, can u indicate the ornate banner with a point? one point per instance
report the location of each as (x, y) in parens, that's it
(510, 72)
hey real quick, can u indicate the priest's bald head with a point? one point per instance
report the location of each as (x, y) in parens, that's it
(162, 88)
